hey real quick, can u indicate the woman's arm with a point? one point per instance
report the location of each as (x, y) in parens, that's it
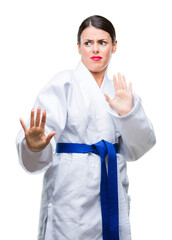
(36, 144)
(134, 128)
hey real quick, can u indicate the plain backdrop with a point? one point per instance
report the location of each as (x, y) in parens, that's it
(38, 39)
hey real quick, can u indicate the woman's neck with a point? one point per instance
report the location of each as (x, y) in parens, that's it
(98, 76)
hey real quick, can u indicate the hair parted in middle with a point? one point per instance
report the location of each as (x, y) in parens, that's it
(97, 22)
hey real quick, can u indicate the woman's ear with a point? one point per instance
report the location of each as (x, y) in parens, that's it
(114, 47)
(79, 47)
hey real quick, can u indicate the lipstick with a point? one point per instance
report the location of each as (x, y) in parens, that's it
(96, 58)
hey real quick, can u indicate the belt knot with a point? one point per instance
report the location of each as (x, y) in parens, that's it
(100, 148)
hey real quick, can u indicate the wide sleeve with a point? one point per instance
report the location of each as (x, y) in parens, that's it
(53, 99)
(135, 131)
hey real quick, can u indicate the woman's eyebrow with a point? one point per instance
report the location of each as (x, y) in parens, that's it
(102, 39)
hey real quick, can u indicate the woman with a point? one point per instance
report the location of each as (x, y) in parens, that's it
(86, 115)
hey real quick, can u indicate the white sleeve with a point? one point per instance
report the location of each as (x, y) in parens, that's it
(135, 131)
(53, 99)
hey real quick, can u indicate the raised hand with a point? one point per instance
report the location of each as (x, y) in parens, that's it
(122, 101)
(35, 135)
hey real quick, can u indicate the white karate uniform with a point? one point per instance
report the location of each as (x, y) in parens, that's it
(78, 111)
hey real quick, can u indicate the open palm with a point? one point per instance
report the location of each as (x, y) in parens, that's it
(35, 135)
(122, 101)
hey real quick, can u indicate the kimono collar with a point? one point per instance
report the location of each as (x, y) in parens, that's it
(85, 75)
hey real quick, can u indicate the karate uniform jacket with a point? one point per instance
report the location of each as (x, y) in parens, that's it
(79, 113)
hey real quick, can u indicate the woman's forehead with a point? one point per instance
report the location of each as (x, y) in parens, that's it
(94, 33)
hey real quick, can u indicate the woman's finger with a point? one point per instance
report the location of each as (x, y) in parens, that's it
(124, 82)
(32, 118)
(107, 97)
(50, 136)
(38, 115)
(23, 125)
(43, 120)
(115, 83)
(120, 85)
(130, 87)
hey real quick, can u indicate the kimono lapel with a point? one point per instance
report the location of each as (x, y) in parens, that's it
(95, 100)
(92, 90)
(84, 75)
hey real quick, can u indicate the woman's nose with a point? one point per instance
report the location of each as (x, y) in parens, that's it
(95, 48)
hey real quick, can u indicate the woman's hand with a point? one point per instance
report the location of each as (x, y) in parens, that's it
(122, 101)
(35, 135)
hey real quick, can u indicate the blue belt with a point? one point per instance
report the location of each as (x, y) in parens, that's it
(108, 185)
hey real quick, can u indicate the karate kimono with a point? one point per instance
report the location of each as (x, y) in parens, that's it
(79, 113)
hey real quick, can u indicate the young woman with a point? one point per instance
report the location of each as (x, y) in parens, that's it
(85, 130)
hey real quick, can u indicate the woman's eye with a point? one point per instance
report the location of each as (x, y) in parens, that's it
(87, 43)
(102, 42)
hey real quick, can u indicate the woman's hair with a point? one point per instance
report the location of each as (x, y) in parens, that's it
(97, 22)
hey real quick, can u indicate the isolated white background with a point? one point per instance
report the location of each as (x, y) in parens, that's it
(38, 39)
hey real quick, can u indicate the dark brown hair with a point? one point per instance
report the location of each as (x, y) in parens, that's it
(97, 22)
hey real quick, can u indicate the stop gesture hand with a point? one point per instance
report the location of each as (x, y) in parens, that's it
(35, 135)
(122, 101)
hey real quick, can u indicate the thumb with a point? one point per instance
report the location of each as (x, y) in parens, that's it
(49, 137)
(107, 98)
(130, 87)
(23, 125)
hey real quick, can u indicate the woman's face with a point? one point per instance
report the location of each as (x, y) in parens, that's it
(96, 48)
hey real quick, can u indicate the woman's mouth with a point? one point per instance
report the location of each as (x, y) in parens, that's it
(96, 58)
